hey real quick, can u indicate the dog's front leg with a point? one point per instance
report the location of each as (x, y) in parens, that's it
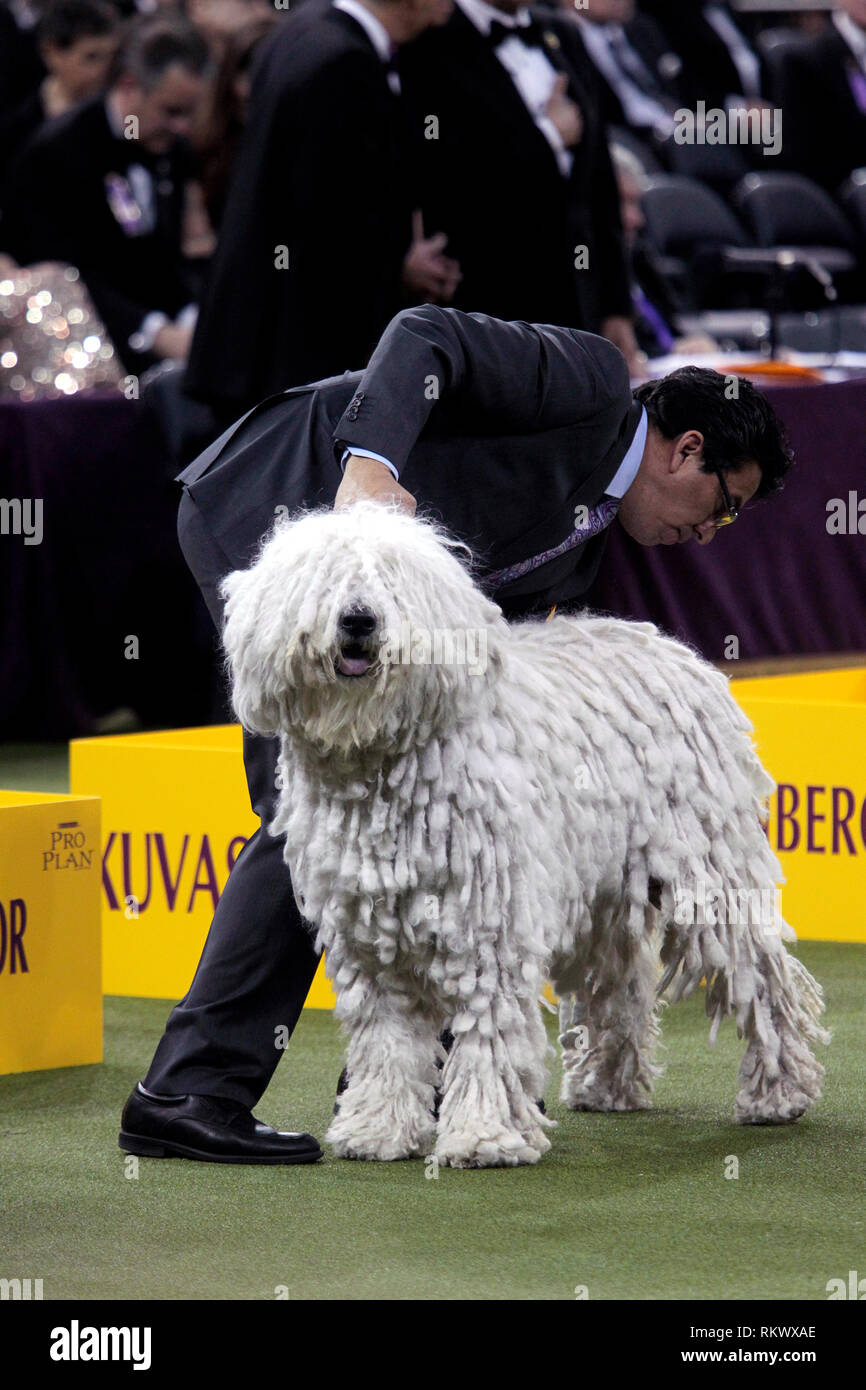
(386, 1111)
(494, 1074)
(610, 1026)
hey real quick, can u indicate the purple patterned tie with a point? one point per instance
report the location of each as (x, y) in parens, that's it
(598, 520)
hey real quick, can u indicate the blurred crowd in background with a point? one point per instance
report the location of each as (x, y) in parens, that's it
(235, 198)
(207, 202)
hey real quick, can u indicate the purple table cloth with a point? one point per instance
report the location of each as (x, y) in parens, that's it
(108, 568)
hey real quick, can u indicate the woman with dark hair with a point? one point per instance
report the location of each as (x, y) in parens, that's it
(223, 119)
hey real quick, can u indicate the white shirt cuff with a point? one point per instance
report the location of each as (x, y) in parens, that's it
(564, 157)
(368, 454)
(188, 317)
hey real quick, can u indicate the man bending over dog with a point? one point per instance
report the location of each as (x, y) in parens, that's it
(525, 441)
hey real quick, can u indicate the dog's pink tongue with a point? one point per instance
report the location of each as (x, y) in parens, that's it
(353, 665)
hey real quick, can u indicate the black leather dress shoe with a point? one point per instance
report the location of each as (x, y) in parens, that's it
(207, 1128)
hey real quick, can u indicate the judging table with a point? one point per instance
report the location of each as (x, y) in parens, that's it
(109, 567)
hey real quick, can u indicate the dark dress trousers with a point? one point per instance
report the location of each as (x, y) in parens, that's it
(531, 421)
(490, 179)
(323, 170)
(63, 202)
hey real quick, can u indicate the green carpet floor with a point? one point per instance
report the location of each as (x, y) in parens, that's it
(34, 767)
(634, 1207)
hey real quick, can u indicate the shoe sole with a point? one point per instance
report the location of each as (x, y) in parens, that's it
(152, 1148)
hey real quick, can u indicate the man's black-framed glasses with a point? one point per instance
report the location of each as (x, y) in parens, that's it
(730, 512)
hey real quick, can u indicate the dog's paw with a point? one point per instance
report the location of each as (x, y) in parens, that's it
(782, 1110)
(383, 1151)
(507, 1149)
(603, 1101)
(353, 1141)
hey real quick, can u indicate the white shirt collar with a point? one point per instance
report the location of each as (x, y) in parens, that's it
(854, 36)
(608, 29)
(627, 471)
(483, 15)
(373, 28)
(115, 123)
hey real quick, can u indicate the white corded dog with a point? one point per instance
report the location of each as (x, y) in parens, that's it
(471, 807)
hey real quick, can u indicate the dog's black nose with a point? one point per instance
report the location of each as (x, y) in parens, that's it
(357, 624)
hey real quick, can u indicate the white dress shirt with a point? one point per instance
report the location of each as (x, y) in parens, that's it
(854, 36)
(627, 471)
(744, 60)
(530, 69)
(639, 109)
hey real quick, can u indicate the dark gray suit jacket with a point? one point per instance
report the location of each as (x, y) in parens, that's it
(500, 430)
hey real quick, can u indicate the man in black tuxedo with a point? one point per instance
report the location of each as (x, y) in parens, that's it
(102, 187)
(638, 73)
(316, 249)
(513, 165)
(526, 441)
(718, 61)
(822, 90)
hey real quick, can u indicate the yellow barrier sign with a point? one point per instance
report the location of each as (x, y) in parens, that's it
(810, 732)
(50, 958)
(176, 815)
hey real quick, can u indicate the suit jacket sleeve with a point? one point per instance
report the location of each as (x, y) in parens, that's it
(468, 373)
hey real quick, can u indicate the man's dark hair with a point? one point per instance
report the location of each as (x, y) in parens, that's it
(152, 44)
(737, 430)
(64, 22)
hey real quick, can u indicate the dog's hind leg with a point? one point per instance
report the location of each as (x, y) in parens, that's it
(386, 1111)
(609, 1029)
(488, 1116)
(778, 1006)
(776, 1002)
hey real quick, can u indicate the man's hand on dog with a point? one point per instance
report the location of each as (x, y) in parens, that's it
(365, 478)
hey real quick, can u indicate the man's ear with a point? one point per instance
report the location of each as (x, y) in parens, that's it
(685, 448)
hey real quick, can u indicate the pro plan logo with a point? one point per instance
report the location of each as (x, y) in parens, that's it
(67, 848)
